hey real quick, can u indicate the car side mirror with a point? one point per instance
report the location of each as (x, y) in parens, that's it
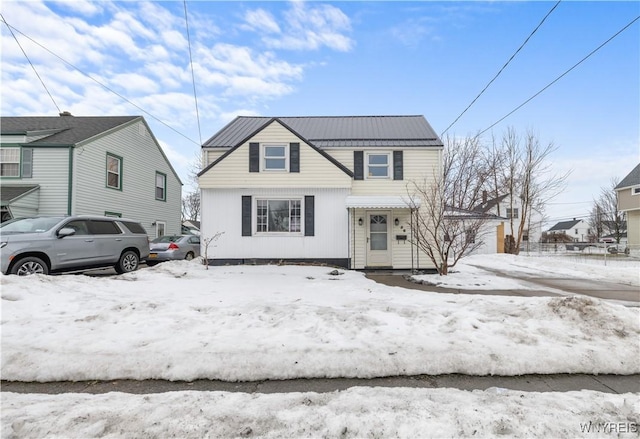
(66, 231)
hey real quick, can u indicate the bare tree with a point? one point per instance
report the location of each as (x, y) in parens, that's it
(605, 217)
(206, 243)
(527, 177)
(444, 226)
(191, 206)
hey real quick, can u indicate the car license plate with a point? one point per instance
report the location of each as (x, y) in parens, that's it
(152, 255)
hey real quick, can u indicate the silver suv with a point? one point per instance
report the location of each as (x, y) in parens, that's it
(55, 244)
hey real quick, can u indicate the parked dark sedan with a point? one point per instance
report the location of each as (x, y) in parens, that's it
(173, 248)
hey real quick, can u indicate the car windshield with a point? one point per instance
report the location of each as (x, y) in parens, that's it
(166, 239)
(29, 225)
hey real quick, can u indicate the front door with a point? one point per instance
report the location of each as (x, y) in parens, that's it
(378, 242)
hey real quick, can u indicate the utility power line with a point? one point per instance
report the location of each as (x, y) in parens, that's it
(193, 77)
(98, 82)
(503, 67)
(30, 63)
(561, 76)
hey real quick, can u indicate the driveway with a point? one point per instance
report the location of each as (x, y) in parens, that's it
(539, 286)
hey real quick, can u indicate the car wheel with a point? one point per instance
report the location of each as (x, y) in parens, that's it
(128, 262)
(30, 265)
(189, 256)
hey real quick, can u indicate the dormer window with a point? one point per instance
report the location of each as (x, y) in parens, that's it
(275, 157)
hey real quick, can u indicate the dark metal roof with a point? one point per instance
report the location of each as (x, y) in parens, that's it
(337, 131)
(633, 179)
(13, 192)
(69, 129)
(564, 225)
(489, 204)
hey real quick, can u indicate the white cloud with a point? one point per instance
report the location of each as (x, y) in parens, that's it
(262, 21)
(85, 7)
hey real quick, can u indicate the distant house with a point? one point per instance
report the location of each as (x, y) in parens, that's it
(317, 189)
(511, 209)
(628, 191)
(491, 233)
(576, 230)
(70, 165)
(190, 227)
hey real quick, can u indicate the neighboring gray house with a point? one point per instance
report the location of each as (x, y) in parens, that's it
(628, 191)
(70, 165)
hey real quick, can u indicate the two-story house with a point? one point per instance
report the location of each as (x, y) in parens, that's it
(576, 229)
(629, 201)
(333, 190)
(70, 165)
(511, 208)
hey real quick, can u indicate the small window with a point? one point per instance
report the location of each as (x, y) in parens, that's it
(636, 190)
(275, 158)
(281, 216)
(512, 213)
(161, 186)
(470, 236)
(27, 163)
(114, 172)
(10, 162)
(113, 214)
(378, 165)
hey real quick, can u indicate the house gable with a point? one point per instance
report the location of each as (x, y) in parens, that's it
(243, 165)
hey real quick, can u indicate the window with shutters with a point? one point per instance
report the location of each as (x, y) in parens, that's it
(275, 157)
(278, 216)
(378, 165)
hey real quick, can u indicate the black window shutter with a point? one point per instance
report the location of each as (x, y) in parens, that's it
(246, 215)
(309, 215)
(397, 165)
(294, 157)
(358, 165)
(254, 157)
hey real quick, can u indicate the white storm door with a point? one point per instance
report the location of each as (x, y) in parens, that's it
(378, 242)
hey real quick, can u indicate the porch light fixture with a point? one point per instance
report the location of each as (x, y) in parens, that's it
(397, 222)
(360, 221)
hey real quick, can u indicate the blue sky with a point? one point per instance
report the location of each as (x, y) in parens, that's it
(342, 58)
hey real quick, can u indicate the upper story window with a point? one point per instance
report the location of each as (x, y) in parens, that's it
(635, 190)
(274, 157)
(114, 171)
(378, 165)
(10, 162)
(161, 186)
(282, 216)
(512, 213)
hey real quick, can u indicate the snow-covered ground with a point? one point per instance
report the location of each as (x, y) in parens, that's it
(470, 272)
(179, 321)
(353, 413)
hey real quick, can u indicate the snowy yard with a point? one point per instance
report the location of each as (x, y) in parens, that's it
(178, 321)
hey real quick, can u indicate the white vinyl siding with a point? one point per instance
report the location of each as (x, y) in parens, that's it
(331, 225)
(233, 171)
(141, 159)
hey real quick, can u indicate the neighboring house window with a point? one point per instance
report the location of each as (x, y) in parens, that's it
(512, 213)
(525, 235)
(576, 231)
(274, 157)
(113, 214)
(278, 216)
(161, 226)
(161, 186)
(378, 165)
(114, 171)
(635, 191)
(10, 162)
(470, 236)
